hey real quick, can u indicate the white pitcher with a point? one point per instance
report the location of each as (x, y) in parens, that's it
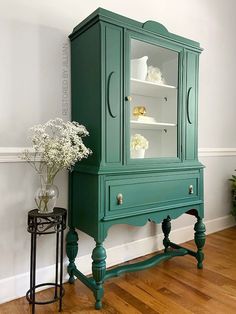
(139, 68)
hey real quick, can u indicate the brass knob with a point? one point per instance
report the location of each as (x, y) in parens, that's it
(190, 189)
(128, 98)
(119, 199)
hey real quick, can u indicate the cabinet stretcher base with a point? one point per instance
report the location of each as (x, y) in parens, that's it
(117, 271)
(99, 272)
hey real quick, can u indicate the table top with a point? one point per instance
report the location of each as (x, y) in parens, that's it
(47, 223)
(57, 211)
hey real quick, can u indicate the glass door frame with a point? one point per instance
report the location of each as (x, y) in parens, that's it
(163, 43)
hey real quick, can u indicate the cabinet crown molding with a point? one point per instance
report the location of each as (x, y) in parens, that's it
(150, 26)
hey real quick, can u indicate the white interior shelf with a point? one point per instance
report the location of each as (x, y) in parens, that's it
(150, 89)
(150, 125)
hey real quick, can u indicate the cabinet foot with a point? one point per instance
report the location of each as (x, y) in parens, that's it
(71, 251)
(200, 239)
(166, 227)
(98, 305)
(99, 272)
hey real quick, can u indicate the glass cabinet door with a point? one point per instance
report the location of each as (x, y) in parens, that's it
(153, 101)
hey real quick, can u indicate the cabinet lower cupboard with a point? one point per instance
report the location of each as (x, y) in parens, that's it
(135, 88)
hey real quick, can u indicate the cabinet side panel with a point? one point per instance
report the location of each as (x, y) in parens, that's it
(84, 202)
(191, 105)
(113, 42)
(86, 88)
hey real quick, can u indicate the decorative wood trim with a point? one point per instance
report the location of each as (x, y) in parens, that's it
(16, 286)
(11, 154)
(216, 152)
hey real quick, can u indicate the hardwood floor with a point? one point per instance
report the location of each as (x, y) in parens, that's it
(175, 286)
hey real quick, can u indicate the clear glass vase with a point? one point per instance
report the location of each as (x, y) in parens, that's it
(46, 195)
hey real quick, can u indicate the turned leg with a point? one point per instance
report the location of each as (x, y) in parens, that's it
(199, 238)
(71, 251)
(99, 271)
(166, 227)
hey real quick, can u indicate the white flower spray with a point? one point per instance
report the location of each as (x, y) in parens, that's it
(57, 145)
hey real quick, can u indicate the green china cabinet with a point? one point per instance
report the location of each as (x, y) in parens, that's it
(135, 88)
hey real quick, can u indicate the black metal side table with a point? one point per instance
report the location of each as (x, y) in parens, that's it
(41, 224)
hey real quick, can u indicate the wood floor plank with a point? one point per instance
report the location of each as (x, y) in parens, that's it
(185, 295)
(131, 299)
(169, 298)
(173, 287)
(157, 304)
(113, 299)
(200, 283)
(210, 275)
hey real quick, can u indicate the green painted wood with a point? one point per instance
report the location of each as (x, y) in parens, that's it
(165, 164)
(154, 189)
(99, 271)
(166, 227)
(176, 246)
(71, 251)
(155, 27)
(144, 264)
(86, 89)
(200, 239)
(191, 105)
(146, 192)
(85, 202)
(113, 58)
(88, 281)
(155, 216)
(110, 17)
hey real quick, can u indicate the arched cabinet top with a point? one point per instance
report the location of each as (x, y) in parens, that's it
(153, 27)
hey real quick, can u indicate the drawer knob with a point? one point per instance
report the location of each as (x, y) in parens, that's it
(190, 189)
(119, 199)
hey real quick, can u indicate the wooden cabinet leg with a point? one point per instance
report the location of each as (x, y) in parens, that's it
(166, 227)
(71, 251)
(200, 239)
(99, 271)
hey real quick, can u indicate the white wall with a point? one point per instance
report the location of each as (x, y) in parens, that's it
(33, 81)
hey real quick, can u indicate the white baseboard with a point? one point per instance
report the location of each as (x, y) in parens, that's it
(16, 286)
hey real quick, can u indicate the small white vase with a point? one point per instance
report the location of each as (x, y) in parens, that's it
(139, 153)
(139, 68)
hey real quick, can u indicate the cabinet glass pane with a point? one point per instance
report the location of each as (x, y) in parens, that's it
(153, 101)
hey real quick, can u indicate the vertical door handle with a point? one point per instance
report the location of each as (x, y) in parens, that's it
(188, 113)
(111, 101)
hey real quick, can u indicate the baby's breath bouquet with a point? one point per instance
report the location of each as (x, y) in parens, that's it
(57, 145)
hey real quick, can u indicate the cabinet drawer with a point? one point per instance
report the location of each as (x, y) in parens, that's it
(157, 193)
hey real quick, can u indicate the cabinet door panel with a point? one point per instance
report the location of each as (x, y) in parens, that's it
(191, 105)
(113, 108)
